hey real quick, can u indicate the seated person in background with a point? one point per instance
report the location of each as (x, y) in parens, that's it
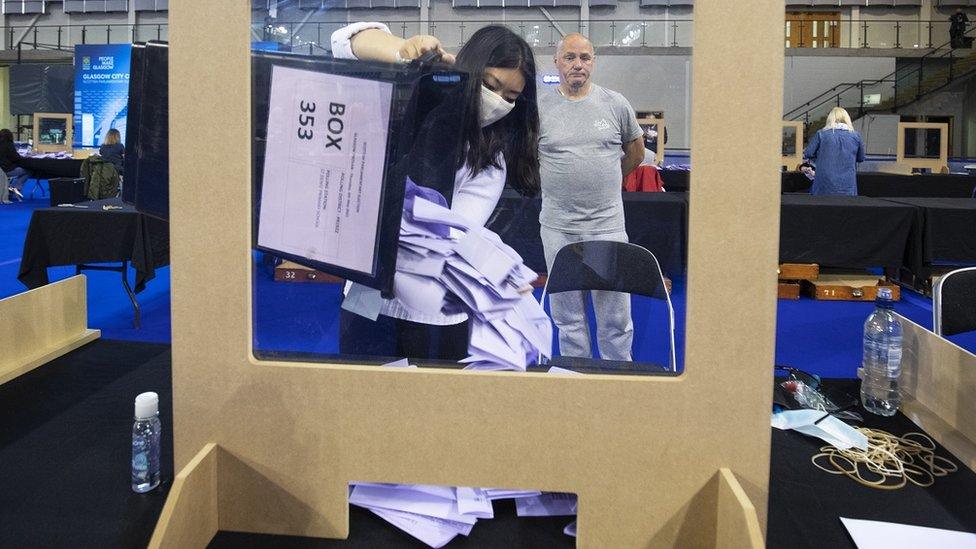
(112, 149)
(10, 164)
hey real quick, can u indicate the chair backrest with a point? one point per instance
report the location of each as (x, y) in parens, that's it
(606, 265)
(614, 267)
(954, 302)
(101, 178)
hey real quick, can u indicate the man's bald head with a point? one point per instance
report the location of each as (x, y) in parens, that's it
(574, 40)
(574, 61)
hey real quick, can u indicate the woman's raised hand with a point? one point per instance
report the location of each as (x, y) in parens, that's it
(416, 46)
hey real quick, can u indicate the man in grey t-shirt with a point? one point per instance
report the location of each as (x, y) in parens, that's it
(589, 140)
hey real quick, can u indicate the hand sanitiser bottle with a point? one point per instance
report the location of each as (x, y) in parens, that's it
(145, 443)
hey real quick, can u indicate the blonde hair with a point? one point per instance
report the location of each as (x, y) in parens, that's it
(112, 137)
(838, 115)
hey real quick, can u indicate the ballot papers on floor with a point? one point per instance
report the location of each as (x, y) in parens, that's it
(436, 515)
(446, 265)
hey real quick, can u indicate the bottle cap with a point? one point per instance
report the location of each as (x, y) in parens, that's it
(884, 293)
(147, 404)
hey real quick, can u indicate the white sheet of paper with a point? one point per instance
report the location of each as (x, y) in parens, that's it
(506, 493)
(432, 531)
(414, 263)
(556, 370)
(402, 363)
(548, 504)
(363, 301)
(323, 167)
(428, 212)
(872, 534)
(430, 244)
(486, 340)
(403, 498)
(492, 262)
(445, 492)
(474, 501)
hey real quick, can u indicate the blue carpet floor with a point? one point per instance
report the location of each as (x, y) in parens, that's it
(822, 337)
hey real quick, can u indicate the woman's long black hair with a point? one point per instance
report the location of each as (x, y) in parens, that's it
(516, 136)
(6, 136)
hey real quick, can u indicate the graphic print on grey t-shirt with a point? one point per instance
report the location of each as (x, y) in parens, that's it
(580, 148)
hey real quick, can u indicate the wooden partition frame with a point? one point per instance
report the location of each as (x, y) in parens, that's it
(792, 162)
(642, 453)
(42, 324)
(68, 133)
(659, 120)
(936, 165)
(938, 378)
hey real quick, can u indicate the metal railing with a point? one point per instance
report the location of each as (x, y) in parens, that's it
(933, 71)
(851, 33)
(859, 33)
(66, 37)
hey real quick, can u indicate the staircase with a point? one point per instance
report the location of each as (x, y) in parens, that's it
(936, 70)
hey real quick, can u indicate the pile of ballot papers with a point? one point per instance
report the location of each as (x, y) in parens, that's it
(437, 514)
(446, 265)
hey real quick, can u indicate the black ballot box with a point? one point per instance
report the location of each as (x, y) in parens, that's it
(67, 190)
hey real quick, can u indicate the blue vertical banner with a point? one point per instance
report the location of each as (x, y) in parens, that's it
(101, 91)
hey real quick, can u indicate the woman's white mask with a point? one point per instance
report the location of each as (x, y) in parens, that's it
(493, 107)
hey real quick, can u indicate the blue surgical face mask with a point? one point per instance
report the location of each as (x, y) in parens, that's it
(493, 107)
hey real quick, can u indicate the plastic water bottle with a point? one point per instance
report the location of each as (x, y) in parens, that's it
(145, 443)
(880, 393)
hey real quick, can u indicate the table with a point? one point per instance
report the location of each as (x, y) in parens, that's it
(656, 221)
(846, 231)
(921, 185)
(946, 229)
(805, 502)
(87, 233)
(65, 447)
(46, 168)
(87, 408)
(678, 181)
(868, 184)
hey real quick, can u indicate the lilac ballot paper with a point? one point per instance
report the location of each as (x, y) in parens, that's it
(323, 170)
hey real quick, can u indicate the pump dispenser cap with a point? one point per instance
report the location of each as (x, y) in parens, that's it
(147, 404)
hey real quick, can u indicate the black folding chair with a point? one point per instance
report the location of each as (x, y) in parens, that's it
(954, 302)
(614, 267)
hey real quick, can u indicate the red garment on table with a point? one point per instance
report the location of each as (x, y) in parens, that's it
(645, 179)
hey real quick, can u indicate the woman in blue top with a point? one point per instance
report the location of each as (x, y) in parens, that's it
(836, 150)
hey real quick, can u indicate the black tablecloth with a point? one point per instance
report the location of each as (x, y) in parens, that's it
(76, 235)
(805, 503)
(845, 231)
(65, 451)
(46, 168)
(656, 221)
(947, 230)
(678, 181)
(931, 185)
(868, 184)
(66, 447)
